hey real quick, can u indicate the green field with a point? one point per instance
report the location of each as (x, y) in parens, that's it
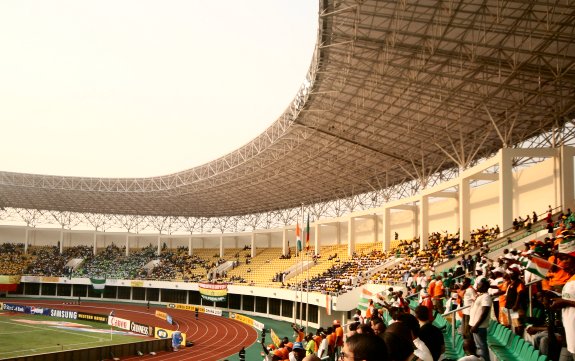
(22, 335)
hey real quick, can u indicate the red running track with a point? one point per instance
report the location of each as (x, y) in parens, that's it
(214, 337)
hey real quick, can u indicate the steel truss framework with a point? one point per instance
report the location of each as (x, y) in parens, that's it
(399, 96)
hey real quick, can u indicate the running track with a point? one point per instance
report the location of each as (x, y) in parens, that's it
(214, 337)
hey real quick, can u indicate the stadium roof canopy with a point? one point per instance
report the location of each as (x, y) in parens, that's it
(397, 91)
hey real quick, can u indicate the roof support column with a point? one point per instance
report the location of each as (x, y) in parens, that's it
(338, 233)
(127, 244)
(159, 240)
(316, 239)
(190, 249)
(26, 236)
(253, 245)
(505, 188)
(221, 246)
(566, 181)
(61, 240)
(423, 221)
(375, 228)
(95, 246)
(386, 230)
(284, 242)
(464, 210)
(350, 236)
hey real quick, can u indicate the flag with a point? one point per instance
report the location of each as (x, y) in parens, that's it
(98, 284)
(364, 299)
(307, 234)
(539, 266)
(298, 235)
(9, 283)
(275, 339)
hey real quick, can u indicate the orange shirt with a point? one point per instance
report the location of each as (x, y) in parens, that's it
(339, 335)
(438, 289)
(300, 337)
(317, 340)
(503, 287)
(431, 288)
(331, 339)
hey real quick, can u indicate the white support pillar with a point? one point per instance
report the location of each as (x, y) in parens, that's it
(375, 228)
(423, 221)
(159, 246)
(316, 239)
(26, 237)
(284, 241)
(350, 236)
(464, 210)
(61, 240)
(190, 249)
(253, 245)
(127, 244)
(338, 233)
(95, 242)
(567, 182)
(221, 246)
(237, 242)
(505, 188)
(386, 230)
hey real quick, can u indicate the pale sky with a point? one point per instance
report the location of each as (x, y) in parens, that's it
(144, 88)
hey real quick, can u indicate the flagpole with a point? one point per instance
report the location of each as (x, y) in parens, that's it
(301, 272)
(307, 281)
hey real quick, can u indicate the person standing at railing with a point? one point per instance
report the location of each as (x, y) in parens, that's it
(479, 318)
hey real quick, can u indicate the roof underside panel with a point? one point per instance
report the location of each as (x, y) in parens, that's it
(396, 91)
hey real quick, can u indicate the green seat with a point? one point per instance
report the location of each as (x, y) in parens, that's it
(542, 358)
(534, 356)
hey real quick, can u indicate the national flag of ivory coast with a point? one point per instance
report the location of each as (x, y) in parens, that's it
(539, 266)
(364, 299)
(298, 236)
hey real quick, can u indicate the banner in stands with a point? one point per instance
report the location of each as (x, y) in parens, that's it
(248, 321)
(137, 283)
(215, 292)
(92, 317)
(119, 322)
(48, 279)
(142, 329)
(193, 308)
(9, 283)
(98, 283)
(164, 333)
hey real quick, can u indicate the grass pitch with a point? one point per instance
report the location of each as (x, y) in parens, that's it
(23, 335)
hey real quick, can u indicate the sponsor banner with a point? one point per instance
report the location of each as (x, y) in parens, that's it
(193, 308)
(214, 292)
(40, 311)
(164, 333)
(15, 308)
(72, 315)
(247, 320)
(162, 315)
(9, 283)
(92, 317)
(213, 311)
(119, 322)
(50, 279)
(142, 329)
(137, 283)
(181, 306)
